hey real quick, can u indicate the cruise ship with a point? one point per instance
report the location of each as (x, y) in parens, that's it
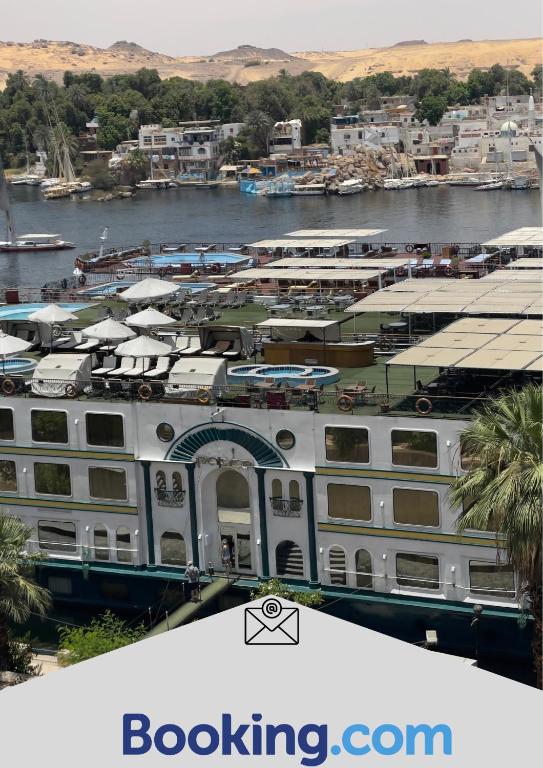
(319, 439)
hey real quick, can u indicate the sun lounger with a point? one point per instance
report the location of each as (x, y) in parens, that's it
(160, 369)
(142, 364)
(181, 342)
(235, 351)
(127, 363)
(109, 364)
(219, 349)
(88, 346)
(194, 347)
(68, 342)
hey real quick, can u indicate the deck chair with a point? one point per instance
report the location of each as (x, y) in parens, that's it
(181, 342)
(127, 363)
(76, 337)
(160, 369)
(194, 347)
(108, 364)
(235, 351)
(88, 346)
(219, 349)
(141, 365)
(276, 401)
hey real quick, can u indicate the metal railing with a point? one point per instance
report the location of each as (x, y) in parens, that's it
(342, 398)
(281, 507)
(169, 498)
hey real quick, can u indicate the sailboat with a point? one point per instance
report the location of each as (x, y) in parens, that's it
(32, 242)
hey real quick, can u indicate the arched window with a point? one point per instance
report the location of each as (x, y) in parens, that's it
(101, 543)
(124, 545)
(294, 489)
(160, 480)
(338, 571)
(364, 572)
(173, 550)
(177, 482)
(277, 488)
(289, 560)
(232, 491)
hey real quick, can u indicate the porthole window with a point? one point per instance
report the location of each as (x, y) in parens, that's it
(285, 439)
(165, 432)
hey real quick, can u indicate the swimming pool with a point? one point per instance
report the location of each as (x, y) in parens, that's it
(106, 289)
(22, 311)
(172, 259)
(17, 365)
(284, 374)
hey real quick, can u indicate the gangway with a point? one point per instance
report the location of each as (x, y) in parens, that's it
(188, 610)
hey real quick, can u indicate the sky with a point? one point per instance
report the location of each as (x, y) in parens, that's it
(187, 27)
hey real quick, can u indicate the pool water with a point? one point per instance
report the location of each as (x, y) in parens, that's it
(17, 365)
(188, 258)
(107, 289)
(285, 374)
(22, 311)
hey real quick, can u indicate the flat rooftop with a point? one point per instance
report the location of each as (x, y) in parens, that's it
(518, 237)
(358, 234)
(333, 262)
(318, 275)
(323, 243)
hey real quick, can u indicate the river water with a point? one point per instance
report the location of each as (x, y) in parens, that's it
(439, 214)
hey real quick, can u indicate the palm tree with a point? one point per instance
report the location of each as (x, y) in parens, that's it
(20, 596)
(502, 490)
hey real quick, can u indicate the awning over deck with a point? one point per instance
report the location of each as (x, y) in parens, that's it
(332, 262)
(356, 233)
(518, 237)
(324, 243)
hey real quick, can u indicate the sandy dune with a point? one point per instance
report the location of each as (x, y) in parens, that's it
(53, 58)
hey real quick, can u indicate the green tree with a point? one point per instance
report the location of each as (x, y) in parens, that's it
(135, 167)
(20, 596)
(432, 109)
(537, 74)
(502, 490)
(99, 175)
(276, 588)
(104, 634)
(257, 130)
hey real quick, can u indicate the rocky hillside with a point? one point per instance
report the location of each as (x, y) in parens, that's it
(248, 63)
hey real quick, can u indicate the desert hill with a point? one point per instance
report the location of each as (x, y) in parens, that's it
(249, 63)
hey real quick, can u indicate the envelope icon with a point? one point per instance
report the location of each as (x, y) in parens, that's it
(264, 626)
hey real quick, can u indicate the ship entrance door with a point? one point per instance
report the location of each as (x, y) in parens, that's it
(235, 520)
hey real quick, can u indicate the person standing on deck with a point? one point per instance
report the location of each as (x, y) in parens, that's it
(192, 575)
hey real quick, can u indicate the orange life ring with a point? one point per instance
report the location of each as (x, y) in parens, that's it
(423, 406)
(345, 403)
(145, 392)
(449, 271)
(385, 345)
(214, 268)
(8, 386)
(70, 390)
(409, 248)
(203, 396)
(162, 272)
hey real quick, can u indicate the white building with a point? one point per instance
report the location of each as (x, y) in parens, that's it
(285, 138)
(230, 130)
(190, 148)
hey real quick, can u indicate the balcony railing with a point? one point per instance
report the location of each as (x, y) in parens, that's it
(166, 498)
(286, 507)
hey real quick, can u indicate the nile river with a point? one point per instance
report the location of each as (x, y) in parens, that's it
(440, 214)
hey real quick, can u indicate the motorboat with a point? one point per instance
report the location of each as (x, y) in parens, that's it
(351, 187)
(36, 242)
(156, 184)
(489, 186)
(309, 190)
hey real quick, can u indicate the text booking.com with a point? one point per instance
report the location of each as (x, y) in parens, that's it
(311, 741)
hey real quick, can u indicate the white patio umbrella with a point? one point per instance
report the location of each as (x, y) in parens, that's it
(109, 330)
(51, 314)
(11, 345)
(149, 318)
(149, 289)
(143, 346)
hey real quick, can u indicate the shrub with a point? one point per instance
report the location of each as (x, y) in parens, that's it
(105, 633)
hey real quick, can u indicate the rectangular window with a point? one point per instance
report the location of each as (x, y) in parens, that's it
(347, 444)
(468, 460)
(105, 429)
(6, 424)
(107, 483)
(414, 507)
(49, 426)
(53, 479)
(491, 579)
(420, 571)
(57, 536)
(414, 449)
(349, 502)
(8, 476)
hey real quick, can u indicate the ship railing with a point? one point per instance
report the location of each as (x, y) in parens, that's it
(344, 398)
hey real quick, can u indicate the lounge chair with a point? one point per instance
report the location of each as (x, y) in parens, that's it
(76, 337)
(142, 364)
(181, 342)
(194, 347)
(127, 363)
(160, 369)
(88, 346)
(108, 365)
(235, 351)
(219, 349)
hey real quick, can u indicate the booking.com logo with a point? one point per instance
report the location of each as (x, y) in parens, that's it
(310, 741)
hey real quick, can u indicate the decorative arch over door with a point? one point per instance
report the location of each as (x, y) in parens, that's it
(263, 452)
